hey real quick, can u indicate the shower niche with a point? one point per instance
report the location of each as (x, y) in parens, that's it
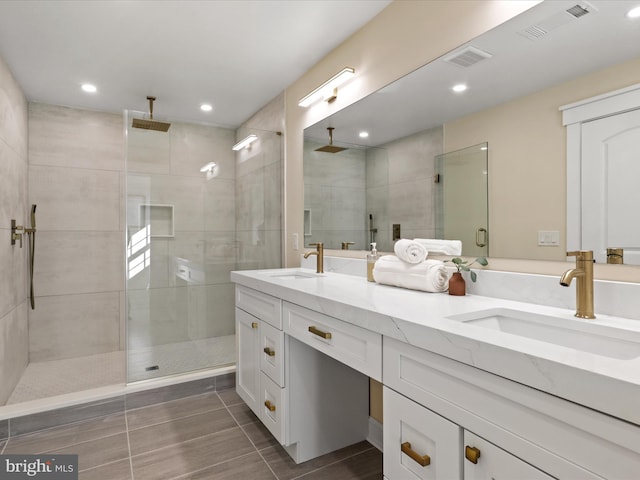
(159, 217)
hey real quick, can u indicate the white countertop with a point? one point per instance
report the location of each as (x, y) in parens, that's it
(609, 385)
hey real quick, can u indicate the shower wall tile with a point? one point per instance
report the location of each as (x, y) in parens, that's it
(412, 157)
(158, 316)
(259, 249)
(265, 151)
(13, 112)
(14, 354)
(72, 199)
(148, 152)
(193, 146)
(13, 284)
(69, 137)
(219, 205)
(407, 204)
(78, 262)
(13, 187)
(161, 270)
(259, 199)
(221, 250)
(185, 194)
(70, 326)
(211, 311)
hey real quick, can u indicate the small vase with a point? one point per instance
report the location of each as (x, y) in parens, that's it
(457, 284)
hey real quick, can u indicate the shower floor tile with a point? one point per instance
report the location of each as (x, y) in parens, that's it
(58, 377)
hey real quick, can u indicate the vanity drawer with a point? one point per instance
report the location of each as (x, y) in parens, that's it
(272, 353)
(272, 407)
(357, 347)
(260, 305)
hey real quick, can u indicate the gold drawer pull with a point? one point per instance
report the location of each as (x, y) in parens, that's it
(471, 453)
(270, 406)
(423, 460)
(254, 324)
(268, 351)
(320, 333)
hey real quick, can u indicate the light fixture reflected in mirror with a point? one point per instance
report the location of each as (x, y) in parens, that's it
(245, 142)
(329, 89)
(211, 169)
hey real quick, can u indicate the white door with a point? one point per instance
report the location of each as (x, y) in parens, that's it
(611, 186)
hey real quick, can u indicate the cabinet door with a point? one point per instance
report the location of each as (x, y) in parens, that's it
(248, 359)
(493, 463)
(419, 444)
(272, 353)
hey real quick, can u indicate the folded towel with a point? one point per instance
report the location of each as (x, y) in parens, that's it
(443, 247)
(429, 275)
(410, 251)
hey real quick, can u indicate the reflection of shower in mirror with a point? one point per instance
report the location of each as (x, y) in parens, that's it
(372, 230)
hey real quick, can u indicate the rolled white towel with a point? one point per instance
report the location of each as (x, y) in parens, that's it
(429, 275)
(410, 251)
(444, 247)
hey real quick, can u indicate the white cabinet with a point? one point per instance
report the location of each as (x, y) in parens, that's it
(248, 360)
(418, 444)
(486, 461)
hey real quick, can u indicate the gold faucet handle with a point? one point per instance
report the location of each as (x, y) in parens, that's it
(319, 245)
(581, 255)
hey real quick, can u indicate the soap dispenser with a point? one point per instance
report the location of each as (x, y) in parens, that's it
(371, 261)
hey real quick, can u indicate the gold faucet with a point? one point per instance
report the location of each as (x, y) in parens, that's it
(345, 245)
(584, 282)
(320, 254)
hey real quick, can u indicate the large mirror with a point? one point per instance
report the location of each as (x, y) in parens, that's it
(518, 76)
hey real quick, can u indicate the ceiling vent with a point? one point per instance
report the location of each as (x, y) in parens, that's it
(467, 57)
(543, 27)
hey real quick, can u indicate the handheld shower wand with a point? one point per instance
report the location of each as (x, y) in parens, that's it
(31, 234)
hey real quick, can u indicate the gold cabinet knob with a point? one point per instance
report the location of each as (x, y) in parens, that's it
(423, 460)
(270, 406)
(254, 324)
(268, 351)
(472, 454)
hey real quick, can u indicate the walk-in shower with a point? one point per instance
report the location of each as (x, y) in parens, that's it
(134, 254)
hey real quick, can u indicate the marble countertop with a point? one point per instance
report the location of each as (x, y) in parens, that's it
(610, 385)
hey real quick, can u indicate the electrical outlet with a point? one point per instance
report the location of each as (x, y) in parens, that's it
(294, 241)
(548, 238)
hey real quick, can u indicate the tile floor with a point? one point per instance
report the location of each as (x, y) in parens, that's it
(211, 436)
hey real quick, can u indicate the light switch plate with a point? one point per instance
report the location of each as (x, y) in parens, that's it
(548, 238)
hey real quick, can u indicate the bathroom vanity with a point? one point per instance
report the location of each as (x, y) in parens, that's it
(473, 387)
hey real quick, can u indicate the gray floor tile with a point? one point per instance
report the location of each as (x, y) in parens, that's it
(285, 468)
(98, 452)
(4, 429)
(247, 467)
(227, 381)
(230, 397)
(172, 392)
(174, 409)
(243, 414)
(191, 456)
(259, 435)
(65, 416)
(60, 437)
(120, 470)
(180, 430)
(366, 465)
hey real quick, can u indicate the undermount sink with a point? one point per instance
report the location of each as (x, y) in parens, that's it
(293, 275)
(582, 335)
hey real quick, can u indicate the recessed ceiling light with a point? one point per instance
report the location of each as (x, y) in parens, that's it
(87, 87)
(461, 87)
(205, 107)
(363, 134)
(634, 12)
(483, 148)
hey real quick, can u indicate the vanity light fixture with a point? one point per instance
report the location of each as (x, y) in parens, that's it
(205, 107)
(87, 87)
(329, 89)
(459, 88)
(245, 142)
(208, 168)
(634, 13)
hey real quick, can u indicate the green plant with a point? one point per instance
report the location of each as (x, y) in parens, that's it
(465, 265)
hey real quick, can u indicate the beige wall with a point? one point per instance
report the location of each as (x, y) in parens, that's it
(527, 161)
(14, 341)
(404, 36)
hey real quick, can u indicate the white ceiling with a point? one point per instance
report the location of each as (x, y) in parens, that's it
(234, 54)
(423, 99)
